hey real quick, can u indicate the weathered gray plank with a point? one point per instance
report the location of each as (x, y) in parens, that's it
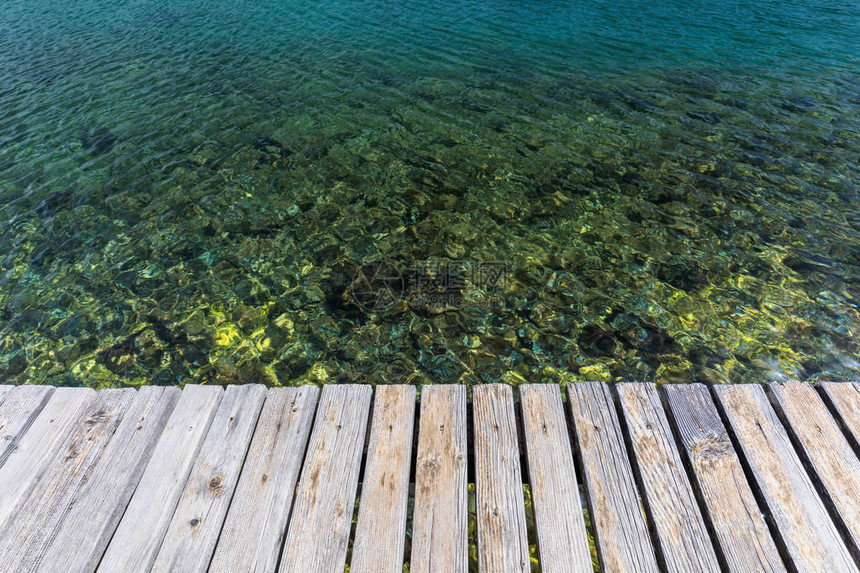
(38, 446)
(29, 529)
(319, 528)
(503, 545)
(138, 537)
(810, 537)
(440, 519)
(616, 513)
(256, 523)
(845, 397)
(18, 410)
(381, 529)
(562, 538)
(827, 449)
(739, 526)
(4, 388)
(98, 506)
(684, 540)
(190, 540)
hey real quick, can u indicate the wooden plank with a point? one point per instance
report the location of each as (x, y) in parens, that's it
(677, 520)
(503, 545)
(621, 534)
(807, 532)
(4, 389)
(29, 529)
(256, 523)
(138, 537)
(562, 538)
(38, 446)
(440, 519)
(319, 528)
(98, 506)
(18, 410)
(190, 540)
(827, 450)
(740, 528)
(381, 529)
(845, 398)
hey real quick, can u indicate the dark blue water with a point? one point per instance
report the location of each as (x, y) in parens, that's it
(302, 191)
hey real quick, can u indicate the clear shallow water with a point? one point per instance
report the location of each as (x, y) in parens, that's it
(187, 188)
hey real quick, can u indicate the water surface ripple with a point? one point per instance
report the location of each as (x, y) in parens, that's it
(187, 189)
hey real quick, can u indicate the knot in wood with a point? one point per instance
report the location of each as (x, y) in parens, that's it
(714, 447)
(216, 485)
(98, 417)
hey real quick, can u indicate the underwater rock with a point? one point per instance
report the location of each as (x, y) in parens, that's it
(673, 370)
(98, 140)
(709, 117)
(683, 274)
(796, 103)
(595, 373)
(16, 365)
(696, 83)
(473, 104)
(736, 102)
(50, 205)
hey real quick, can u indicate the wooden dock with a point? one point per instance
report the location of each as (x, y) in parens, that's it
(681, 478)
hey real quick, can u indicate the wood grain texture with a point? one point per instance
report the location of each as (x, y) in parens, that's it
(30, 528)
(190, 540)
(845, 398)
(98, 505)
(828, 451)
(807, 532)
(256, 523)
(503, 544)
(684, 539)
(319, 527)
(140, 532)
(621, 534)
(18, 410)
(4, 388)
(381, 529)
(440, 541)
(739, 525)
(562, 538)
(39, 445)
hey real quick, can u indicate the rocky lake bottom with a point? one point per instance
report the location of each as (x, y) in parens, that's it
(232, 194)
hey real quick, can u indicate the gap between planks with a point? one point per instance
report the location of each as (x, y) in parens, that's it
(517, 436)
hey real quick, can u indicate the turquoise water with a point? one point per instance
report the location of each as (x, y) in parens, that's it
(304, 191)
